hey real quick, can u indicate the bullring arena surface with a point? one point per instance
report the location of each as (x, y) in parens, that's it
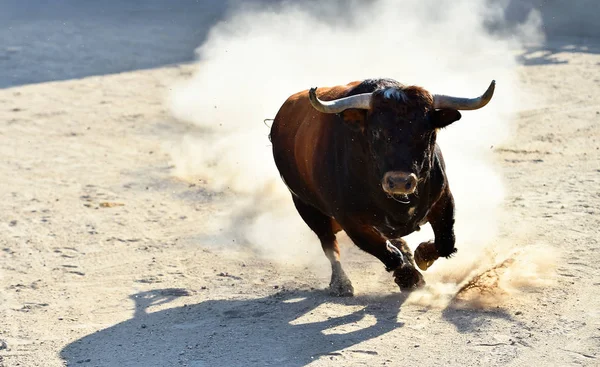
(102, 261)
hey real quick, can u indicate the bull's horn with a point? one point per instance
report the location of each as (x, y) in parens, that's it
(457, 103)
(362, 101)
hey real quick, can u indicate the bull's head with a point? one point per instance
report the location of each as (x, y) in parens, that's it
(400, 127)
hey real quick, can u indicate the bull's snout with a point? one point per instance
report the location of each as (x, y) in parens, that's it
(397, 183)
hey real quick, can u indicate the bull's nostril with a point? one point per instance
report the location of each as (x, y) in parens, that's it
(399, 183)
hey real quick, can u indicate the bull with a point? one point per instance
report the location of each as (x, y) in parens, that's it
(363, 158)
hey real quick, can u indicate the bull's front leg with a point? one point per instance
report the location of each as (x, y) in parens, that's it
(441, 218)
(394, 254)
(406, 275)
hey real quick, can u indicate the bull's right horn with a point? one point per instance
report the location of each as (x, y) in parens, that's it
(361, 101)
(458, 103)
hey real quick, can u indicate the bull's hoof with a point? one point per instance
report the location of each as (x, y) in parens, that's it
(341, 287)
(425, 255)
(408, 278)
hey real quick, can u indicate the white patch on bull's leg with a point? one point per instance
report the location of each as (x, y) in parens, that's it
(395, 250)
(403, 250)
(340, 285)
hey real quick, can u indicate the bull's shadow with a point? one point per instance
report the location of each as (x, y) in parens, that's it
(232, 332)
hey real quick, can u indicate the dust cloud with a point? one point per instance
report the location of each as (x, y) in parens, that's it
(257, 57)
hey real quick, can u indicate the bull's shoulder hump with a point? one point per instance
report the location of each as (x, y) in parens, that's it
(371, 85)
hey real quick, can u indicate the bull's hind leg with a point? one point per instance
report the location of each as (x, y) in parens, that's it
(323, 226)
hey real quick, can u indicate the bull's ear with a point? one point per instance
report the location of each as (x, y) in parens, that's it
(355, 119)
(444, 117)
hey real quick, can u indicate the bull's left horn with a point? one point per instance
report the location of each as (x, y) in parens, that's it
(361, 101)
(457, 103)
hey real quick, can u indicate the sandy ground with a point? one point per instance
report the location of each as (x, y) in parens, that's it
(103, 262)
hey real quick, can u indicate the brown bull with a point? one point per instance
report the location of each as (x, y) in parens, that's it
(366, 161)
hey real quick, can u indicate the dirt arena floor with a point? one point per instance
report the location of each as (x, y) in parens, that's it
(102, 260)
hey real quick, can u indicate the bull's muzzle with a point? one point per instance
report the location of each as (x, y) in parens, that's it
(399, 183)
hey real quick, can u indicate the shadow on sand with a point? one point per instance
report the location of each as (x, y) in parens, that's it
(258, 332)
(550, 53)
(68, 39)
(232, 332)
(43, 41)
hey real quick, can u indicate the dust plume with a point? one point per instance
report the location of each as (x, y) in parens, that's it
(257, 57)
(488, 281)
